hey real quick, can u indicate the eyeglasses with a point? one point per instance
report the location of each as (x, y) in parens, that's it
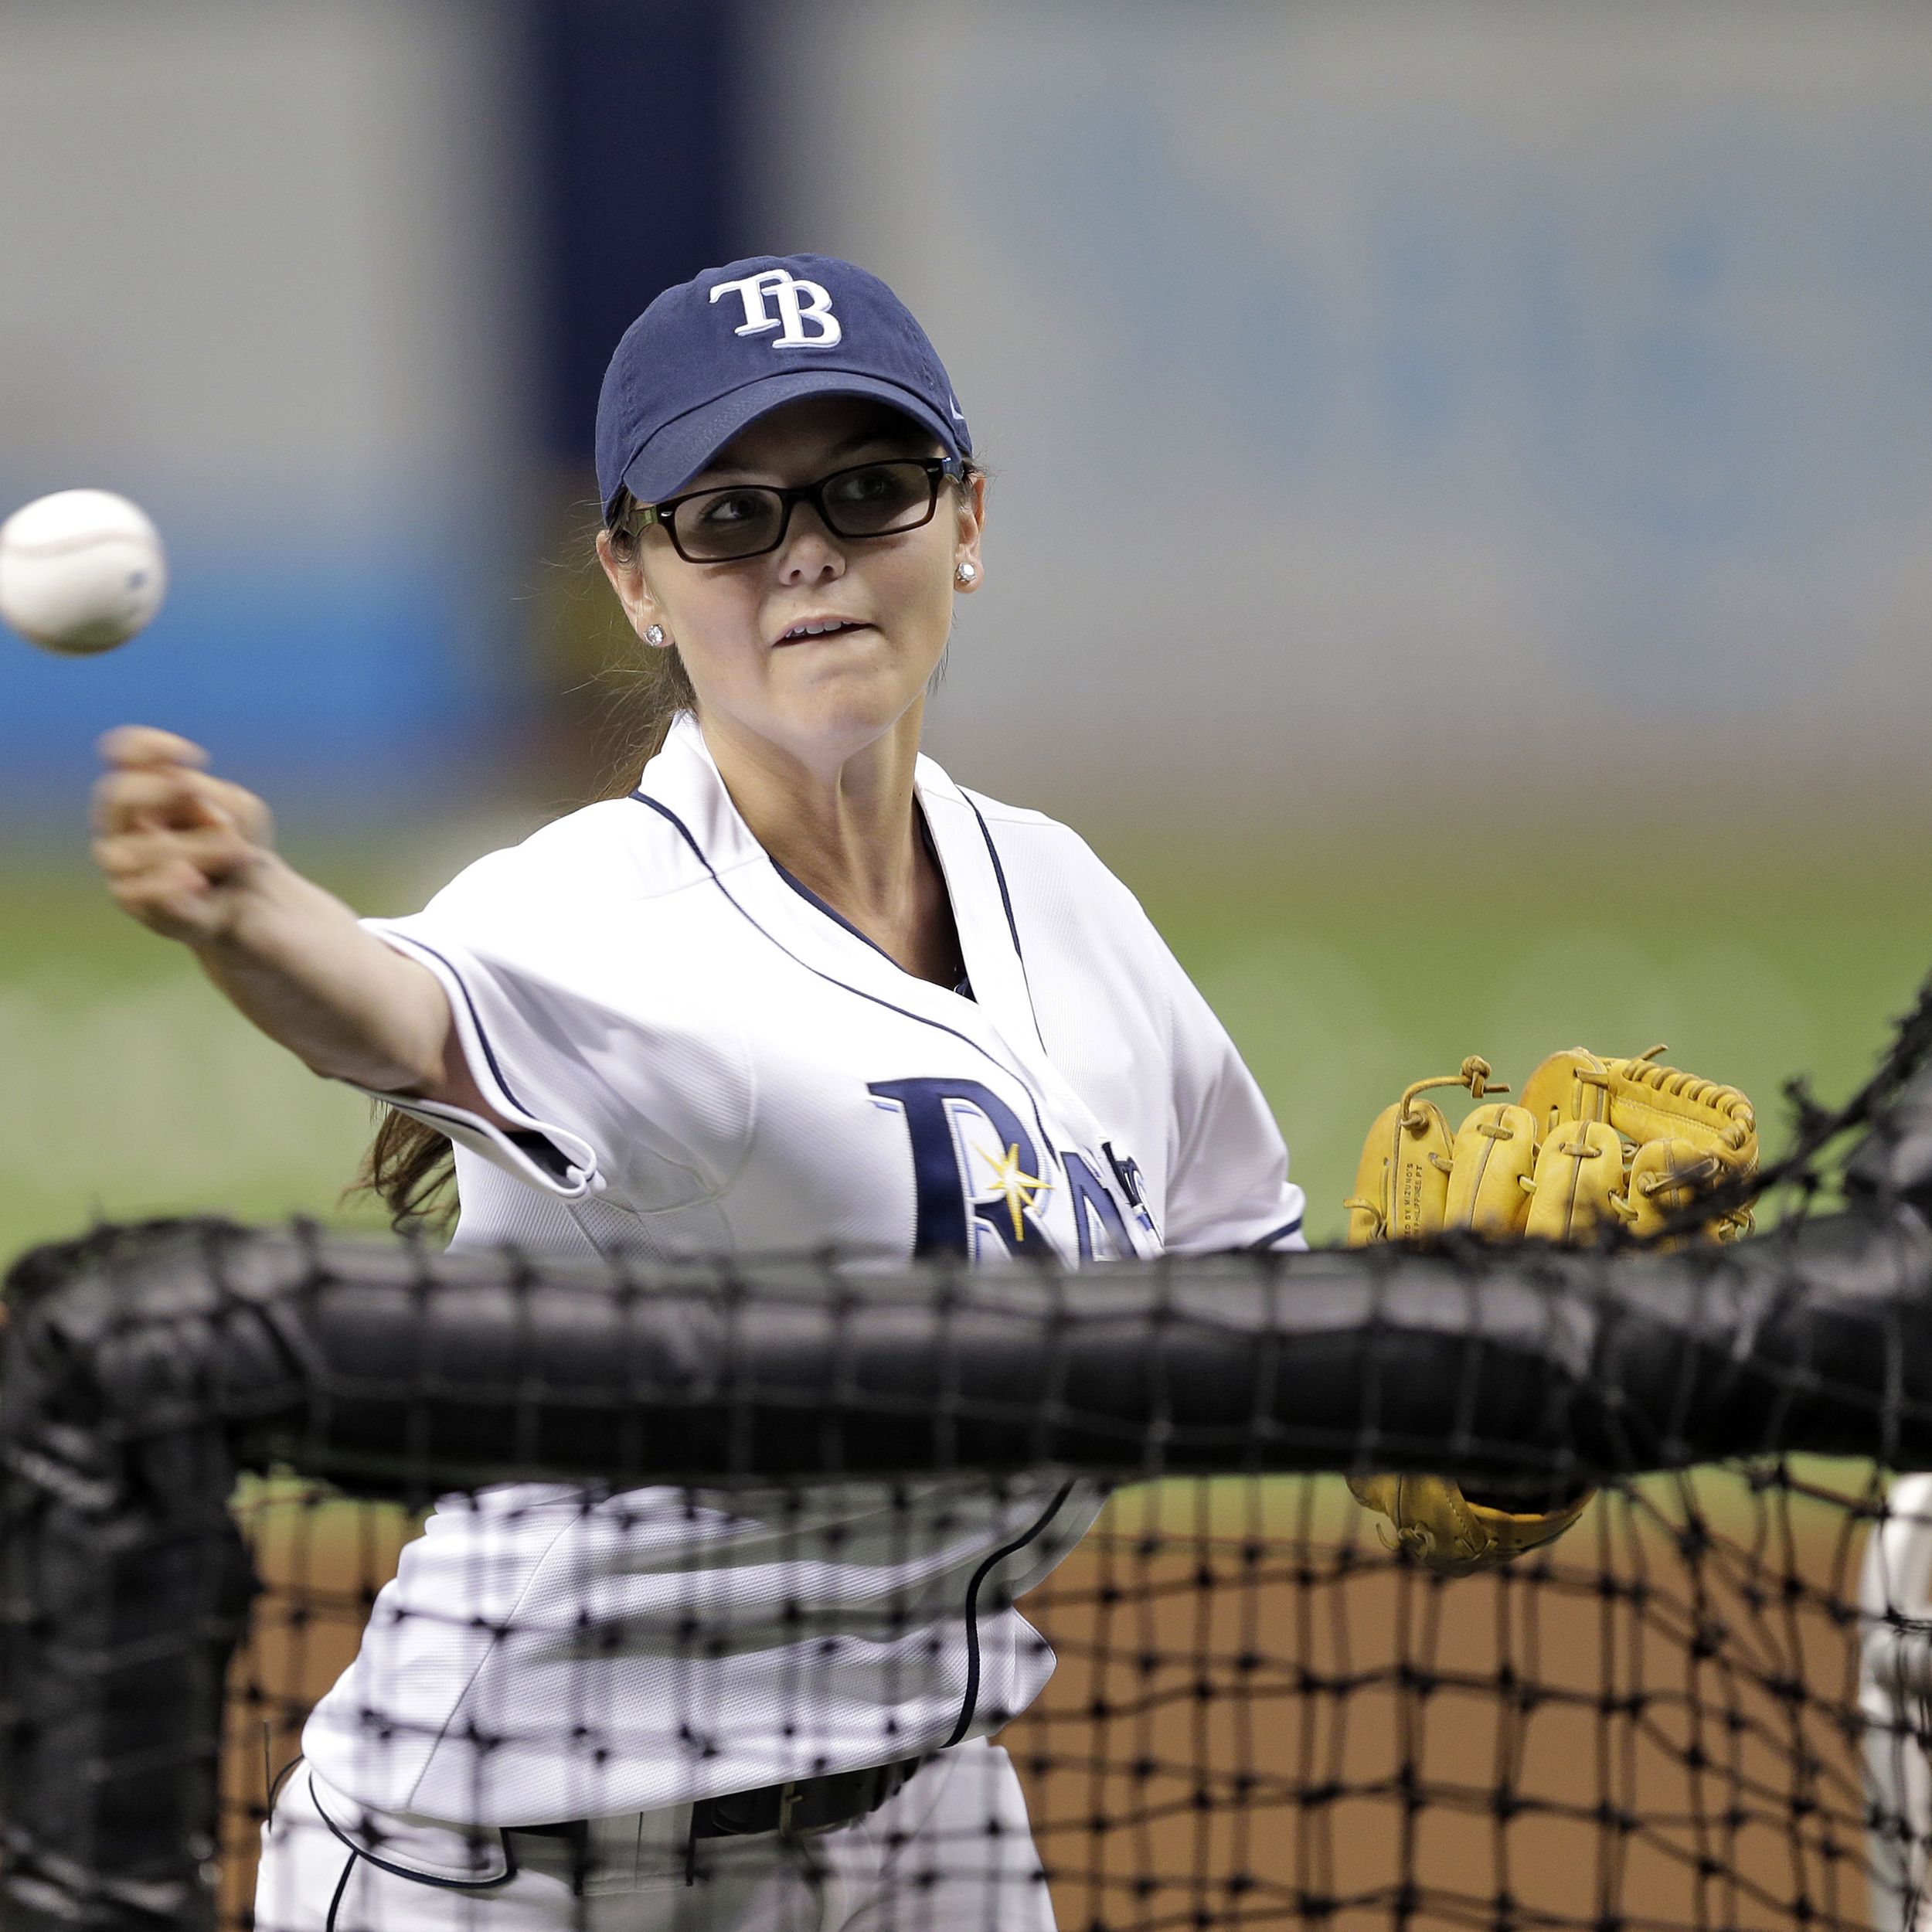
(748, 519)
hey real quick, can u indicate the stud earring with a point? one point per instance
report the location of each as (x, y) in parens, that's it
(654, 636)
(967, 572)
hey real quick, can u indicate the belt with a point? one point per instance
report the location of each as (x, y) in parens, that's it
(799, 1804)
(802, 1804)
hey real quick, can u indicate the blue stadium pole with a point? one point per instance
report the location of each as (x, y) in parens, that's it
(639, 124)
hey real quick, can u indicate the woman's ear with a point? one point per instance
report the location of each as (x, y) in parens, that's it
(971, 522)
(627, 578)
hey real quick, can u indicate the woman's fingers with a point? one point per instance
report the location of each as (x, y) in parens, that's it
(146, 797)
(156, 777)
(179, 883)
(166, 891)
(251, 816)
(127, 745)
(213, 852)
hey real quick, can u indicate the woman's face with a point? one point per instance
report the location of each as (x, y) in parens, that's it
(821, 699)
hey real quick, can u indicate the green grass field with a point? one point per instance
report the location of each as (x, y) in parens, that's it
(132, 1091)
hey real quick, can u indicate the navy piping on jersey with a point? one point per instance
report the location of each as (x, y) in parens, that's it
(1006, 900)
(1278, 1234)
(858, 992)
(526, 1139)
(402, 1871)
(342, 1885)
(964, 988)
(999, 872)
(969, 1703)
(830, 911)
(276, 1784)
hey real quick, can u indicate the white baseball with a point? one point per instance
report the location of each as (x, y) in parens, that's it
(80, 571)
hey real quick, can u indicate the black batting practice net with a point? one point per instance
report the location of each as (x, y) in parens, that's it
(513, 1592)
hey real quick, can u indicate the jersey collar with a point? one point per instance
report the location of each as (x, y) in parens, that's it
(683, 779)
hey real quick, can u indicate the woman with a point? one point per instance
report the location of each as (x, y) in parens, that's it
(798, 990)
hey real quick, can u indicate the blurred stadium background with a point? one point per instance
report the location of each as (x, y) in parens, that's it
(1462, 537)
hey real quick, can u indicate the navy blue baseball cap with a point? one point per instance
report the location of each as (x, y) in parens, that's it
(717, 352)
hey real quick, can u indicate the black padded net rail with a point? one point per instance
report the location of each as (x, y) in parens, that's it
(519, 1593)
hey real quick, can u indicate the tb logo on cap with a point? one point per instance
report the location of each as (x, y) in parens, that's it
(799, 302)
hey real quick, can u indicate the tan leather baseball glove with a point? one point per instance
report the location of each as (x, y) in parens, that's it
(1593, 1140)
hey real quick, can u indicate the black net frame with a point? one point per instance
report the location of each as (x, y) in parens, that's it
(149, 1371)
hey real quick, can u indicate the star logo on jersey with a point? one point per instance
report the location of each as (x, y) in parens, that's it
(1018, 1190)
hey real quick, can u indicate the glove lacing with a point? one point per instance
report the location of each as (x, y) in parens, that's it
(1475, 1076)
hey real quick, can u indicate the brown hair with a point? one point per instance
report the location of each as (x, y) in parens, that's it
(410, 1166)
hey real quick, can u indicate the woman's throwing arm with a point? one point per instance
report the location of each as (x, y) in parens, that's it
(190, 857)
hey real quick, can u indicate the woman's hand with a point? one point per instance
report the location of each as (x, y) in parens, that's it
(183, 851)
(188, 854)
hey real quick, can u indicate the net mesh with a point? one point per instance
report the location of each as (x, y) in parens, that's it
(1260, 1716)
(1706, 1706)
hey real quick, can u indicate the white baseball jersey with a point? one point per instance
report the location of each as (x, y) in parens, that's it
(698, 1056)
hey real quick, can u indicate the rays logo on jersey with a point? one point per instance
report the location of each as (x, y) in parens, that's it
(799, 302)
(982, 1183)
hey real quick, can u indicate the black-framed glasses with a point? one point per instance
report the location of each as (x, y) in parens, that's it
(748, 519)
